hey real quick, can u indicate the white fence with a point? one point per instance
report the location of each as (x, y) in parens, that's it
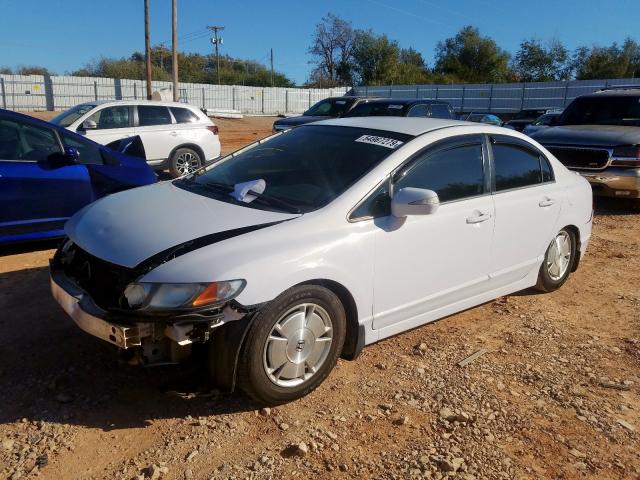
(38, 92)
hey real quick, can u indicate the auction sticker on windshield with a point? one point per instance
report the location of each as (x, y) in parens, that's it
(380, 141)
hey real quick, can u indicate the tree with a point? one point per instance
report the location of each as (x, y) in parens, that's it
(332, 47)
(469, 57)
(375, 58)
(536, 63)
(193, 67)
(32, 70)
(608, 62)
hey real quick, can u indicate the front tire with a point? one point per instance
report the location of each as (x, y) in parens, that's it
(292, 345)
(558, 261)
(184, 161)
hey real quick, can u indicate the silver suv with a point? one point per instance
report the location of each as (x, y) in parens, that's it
(598, 135)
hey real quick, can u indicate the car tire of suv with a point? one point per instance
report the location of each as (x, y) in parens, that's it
(292, 345)
(184, 161)
(558, 261)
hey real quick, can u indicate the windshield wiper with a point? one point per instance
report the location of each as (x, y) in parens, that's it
(276, 202)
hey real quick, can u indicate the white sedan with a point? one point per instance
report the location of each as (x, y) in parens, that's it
(308, 245)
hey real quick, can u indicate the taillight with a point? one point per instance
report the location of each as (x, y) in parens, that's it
(213, 129)
(626, 156)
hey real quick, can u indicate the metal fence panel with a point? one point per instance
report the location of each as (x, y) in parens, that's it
(498, 97)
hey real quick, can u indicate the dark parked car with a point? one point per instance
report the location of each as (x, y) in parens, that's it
(544, 121)
(488, 118)
(598, 135)
(402, 107)
(524, 118)
(48, 173)
(332, 107)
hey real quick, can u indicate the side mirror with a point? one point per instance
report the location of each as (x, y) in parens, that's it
(71, 155)
(89, 125)
(414, 201)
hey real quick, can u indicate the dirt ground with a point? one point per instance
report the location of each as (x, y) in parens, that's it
(555, 396)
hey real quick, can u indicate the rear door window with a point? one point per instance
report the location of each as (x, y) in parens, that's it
(149, 115)
(183, 115)
(517, 166)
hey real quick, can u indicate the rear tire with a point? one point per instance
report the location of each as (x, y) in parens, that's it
(292, 345)
(558, 261)
(184, 161)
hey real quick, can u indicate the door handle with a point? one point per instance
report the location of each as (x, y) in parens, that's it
(547, 202)
(481, 217)
(173, 134)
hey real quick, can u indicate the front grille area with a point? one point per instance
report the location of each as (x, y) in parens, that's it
(582, 158)
(103, 281)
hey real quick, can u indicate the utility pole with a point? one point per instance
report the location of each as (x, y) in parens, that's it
(174, 47)
(217, 41)
(147, 47)
(272, 67)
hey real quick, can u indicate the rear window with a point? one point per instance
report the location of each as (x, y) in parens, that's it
(183, 115)
(604, 110)
(153, 115)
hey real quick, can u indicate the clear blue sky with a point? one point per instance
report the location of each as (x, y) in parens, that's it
(63, 35)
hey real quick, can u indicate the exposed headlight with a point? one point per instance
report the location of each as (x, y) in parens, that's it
(164, 296)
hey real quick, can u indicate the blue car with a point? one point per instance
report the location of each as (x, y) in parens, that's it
(48, 173)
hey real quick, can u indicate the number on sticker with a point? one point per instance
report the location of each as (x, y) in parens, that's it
(380, 141)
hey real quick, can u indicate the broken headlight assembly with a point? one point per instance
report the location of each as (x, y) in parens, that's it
(170, 296)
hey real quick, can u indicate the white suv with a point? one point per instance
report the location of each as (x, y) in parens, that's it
(176, 136)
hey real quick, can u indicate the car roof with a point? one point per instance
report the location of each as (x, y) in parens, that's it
(409, 125)
(140, 102)
(406, 101)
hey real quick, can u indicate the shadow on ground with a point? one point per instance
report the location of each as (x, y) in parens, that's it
(50, 370)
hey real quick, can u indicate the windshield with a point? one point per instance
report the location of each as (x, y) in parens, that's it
(604, 110)
(67, 117)
(303, 169)
(376, 109)
(331, 107)
(546, 119)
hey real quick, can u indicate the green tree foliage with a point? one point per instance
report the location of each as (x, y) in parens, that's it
(469, 57)
(615, 61)
(192, 67)
(536, 63)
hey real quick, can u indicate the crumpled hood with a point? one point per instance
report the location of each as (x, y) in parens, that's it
(591, 135)
(302, 119)
(128, 227)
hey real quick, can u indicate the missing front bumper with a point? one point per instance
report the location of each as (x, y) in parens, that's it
(123, 336)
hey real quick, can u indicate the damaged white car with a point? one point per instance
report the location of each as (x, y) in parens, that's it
(308, 245)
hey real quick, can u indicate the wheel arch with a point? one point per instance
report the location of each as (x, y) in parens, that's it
(354, 339)
(576, 232)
